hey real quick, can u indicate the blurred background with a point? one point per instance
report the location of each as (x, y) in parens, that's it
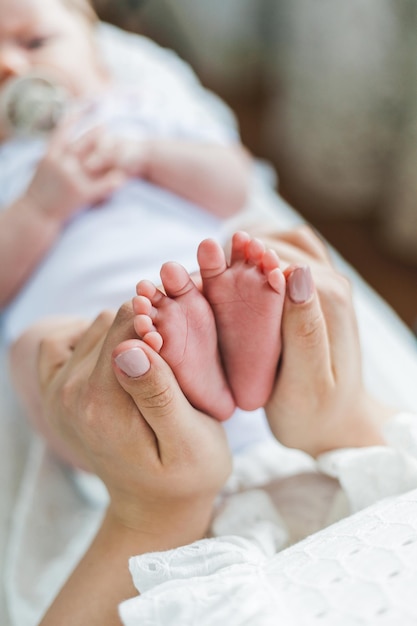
(327, 92)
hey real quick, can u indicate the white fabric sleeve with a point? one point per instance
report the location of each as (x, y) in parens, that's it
(360, 568)
(367, 475)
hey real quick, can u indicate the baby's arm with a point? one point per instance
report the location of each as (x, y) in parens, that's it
(61, 187)
(214, 176)
(26, 234)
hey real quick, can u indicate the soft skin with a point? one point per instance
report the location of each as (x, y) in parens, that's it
(162, 461)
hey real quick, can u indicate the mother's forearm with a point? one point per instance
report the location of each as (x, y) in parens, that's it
(100, 581)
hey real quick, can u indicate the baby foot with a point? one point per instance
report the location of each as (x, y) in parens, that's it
(180, 326)
(247, 298)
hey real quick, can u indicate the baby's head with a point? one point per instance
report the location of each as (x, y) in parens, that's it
(84, 7)
(52, 36)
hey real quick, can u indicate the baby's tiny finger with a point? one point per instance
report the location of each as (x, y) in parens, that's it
(86, 142)
(65, 132)
(106, 185)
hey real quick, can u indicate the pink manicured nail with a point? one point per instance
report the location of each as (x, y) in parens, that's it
(133, 362)
(300, 285)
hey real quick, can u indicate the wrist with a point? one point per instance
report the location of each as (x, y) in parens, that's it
(135, 159)
(372, 415)
(162, 525)
(41, 212)
(360, 426)
(43, 228)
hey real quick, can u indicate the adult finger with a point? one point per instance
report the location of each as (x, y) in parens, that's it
(65, 352)
(110, 333)
(335, 296)
(150, 382)
(307, 240)
(305, 347)
(95, 334)
(304, 375)
(51, 342)
(38, 353)
(298, 246)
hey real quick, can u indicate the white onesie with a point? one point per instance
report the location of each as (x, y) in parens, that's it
(104, 251)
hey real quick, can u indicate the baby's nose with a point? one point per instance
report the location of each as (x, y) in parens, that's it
(13, 62)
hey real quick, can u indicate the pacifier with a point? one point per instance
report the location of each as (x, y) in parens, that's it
(32, 104)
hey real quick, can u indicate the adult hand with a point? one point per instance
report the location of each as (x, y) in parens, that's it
(297, 246)
(161, 460)
(319, 402)
(117, 408)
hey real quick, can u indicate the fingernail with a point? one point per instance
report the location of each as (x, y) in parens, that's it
(300, 285)
(133, 363)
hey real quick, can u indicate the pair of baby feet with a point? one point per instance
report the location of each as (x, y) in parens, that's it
(222, 342)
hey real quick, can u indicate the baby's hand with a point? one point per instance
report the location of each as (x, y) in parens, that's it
(63, 183)
(129, 156)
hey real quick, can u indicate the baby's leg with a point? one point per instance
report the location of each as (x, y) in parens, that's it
(247, 298)
(181, 327)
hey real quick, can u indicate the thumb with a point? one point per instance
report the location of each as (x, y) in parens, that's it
(150, 382)
(304, 334)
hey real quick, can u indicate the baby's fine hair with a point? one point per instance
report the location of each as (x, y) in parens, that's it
(84, 7)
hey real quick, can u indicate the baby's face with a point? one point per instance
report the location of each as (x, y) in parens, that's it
(49, 36)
